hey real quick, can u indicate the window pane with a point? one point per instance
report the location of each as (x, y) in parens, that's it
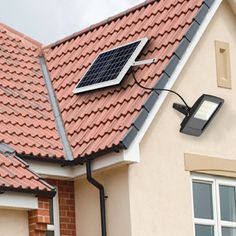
(204, 230)
(227, 231)
(202, 199)
(227, 203)
(50, 233)
(51, 211)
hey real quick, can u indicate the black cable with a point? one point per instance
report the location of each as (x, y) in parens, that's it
(157, 89)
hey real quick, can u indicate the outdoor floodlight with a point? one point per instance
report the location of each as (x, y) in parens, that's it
(199, 116)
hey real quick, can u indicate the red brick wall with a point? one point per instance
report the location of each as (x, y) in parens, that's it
(38, 219)
(66, 198)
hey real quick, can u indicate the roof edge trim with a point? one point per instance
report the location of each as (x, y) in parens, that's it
(37, 192)
(56, 111)
(26, 157)
(94, 26)
(21, 35)
(95, 155)
(172, 70)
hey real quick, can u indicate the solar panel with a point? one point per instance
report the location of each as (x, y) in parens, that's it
(110, 66)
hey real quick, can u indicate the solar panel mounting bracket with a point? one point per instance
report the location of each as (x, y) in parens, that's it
(144, 62)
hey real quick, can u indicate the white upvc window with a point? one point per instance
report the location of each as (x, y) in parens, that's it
(54, 226)
(214, 206)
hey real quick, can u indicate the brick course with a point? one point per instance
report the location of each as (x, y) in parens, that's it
(66, 198)
(39, 218)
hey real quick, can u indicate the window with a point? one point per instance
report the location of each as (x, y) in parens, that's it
(223, 64)
(214, 206)
(53, 227)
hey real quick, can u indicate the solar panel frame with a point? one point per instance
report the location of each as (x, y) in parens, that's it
(124, 70)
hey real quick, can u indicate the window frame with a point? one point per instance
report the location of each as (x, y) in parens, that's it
(215, 181)
(56, 226)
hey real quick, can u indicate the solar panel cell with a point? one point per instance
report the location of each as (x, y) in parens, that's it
(110, 67)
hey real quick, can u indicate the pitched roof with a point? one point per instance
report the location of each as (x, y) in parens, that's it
(97, 121)
(27, 122)
(109, 118)
(16, 176)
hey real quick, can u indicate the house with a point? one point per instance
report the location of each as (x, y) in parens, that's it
(112, 161)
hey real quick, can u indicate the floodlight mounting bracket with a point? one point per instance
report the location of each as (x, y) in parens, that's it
(181, 108)
(144, 62)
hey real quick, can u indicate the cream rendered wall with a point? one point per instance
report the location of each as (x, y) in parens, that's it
(13, 223)
(87, 206)
(160, 191)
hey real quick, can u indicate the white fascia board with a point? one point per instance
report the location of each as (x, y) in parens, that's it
(55, 170)
(177, 71)
(102, 162)
(132, 154)
(18, 201)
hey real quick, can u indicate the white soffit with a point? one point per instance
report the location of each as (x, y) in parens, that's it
(18, 201)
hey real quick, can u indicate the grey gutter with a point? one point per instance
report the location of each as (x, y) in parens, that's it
(37, 192)
(56, 112)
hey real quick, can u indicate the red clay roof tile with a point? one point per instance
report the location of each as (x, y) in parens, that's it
(16, 176)
(98, 120)
(27, 122)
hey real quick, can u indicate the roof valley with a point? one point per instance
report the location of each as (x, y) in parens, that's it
(49, 122)
(56, 111)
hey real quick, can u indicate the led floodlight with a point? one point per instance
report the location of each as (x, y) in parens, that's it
(199, 116)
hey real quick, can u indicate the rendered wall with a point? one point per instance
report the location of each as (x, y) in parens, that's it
(160, 191)
(13, 222)
(87, 206)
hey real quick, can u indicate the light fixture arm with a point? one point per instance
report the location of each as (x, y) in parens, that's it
(181, 108)
(144, 62)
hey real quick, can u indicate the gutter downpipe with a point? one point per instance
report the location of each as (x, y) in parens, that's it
(102, 196)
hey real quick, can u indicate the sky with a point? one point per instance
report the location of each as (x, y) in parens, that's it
(50, 20)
